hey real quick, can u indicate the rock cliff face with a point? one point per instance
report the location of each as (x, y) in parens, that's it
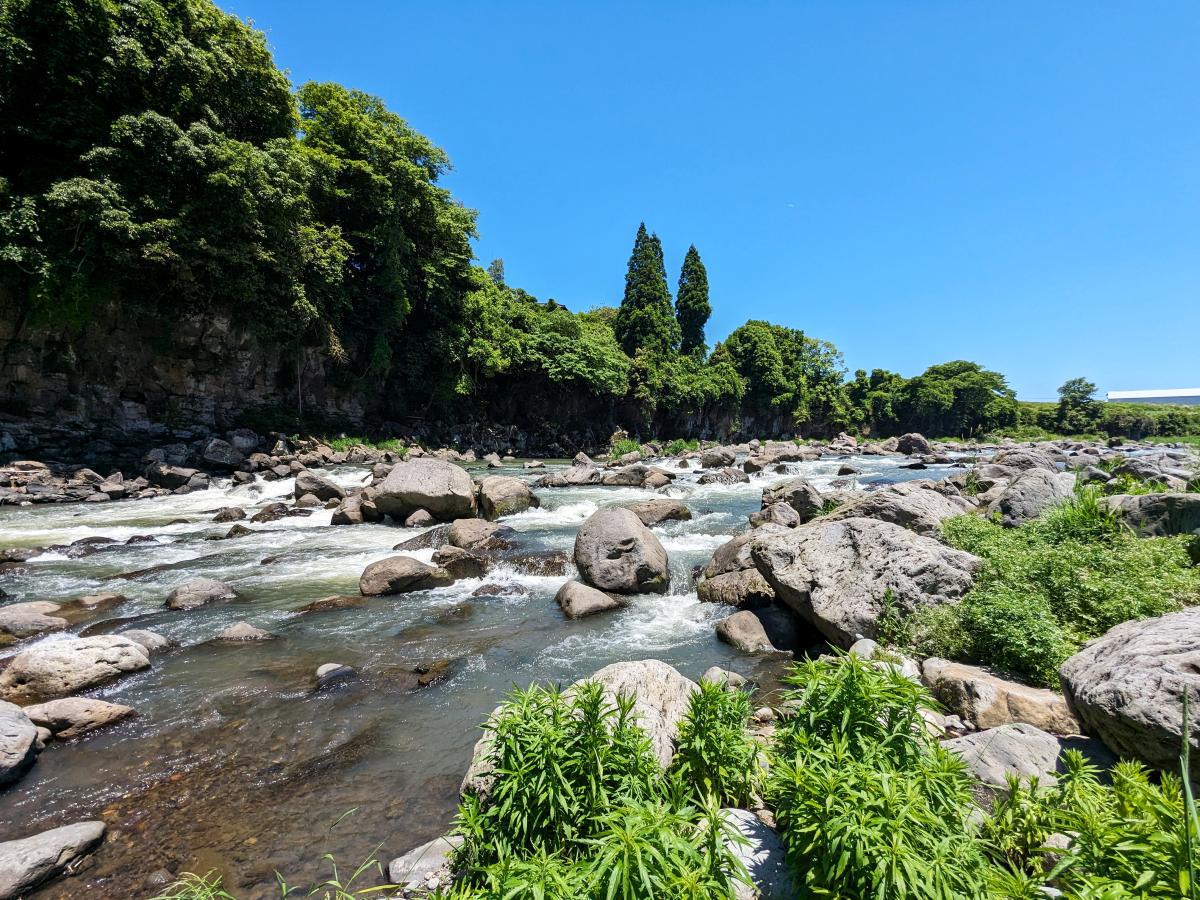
(202, 370)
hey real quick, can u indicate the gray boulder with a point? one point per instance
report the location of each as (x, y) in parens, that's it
(441, 488)
(1020, 749)
(913, 444)
(1127, 688)
(229, 514)
(70, 717)
(200, 592)
(502, 495)
(987, 700)
(321, 488)
(797, 493)
(743, 631)
(724, 476)
(614, 551)
(18, 742)
(22, 620)
(915, 505)
(578, 600)
(1024, 458)
(655, 512)
(717, 458)
(626, 476)
(29, 862)
(399, 575)
(838, 575)
(764, 856)
(58, 668)
(348, 512)
(458, 562)
(661, 699)
(1029, 495)
(777, 514)
(426, 868)
(1156, 515)
(150, 641)
(221, 454)
(479, 536)
(243, 632)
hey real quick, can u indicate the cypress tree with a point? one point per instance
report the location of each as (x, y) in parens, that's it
(645, 319)
(691, 304)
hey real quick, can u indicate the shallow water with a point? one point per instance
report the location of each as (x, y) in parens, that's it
(234, 763)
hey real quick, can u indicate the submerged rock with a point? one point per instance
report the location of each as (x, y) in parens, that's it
(328, 604)
(70, 717)
(614, 551)
(240, 632)
(200, 592)
(29, 862)
(578, 600)
(58, 668)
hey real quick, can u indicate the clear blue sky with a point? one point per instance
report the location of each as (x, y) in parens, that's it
(1015, 183)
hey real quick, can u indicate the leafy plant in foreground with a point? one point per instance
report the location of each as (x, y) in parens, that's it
(714, 755)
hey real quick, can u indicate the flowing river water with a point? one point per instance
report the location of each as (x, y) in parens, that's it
(235, 763)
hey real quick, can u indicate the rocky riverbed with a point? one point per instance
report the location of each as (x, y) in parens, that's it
(262, 684)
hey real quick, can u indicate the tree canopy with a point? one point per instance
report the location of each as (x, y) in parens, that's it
(692, 308)
(645, 319)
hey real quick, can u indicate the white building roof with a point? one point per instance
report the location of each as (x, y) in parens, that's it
(1157, 395)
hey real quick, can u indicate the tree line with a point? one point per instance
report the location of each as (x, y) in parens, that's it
(154, 160)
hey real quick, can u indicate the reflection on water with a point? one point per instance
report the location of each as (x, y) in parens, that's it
(235, 763)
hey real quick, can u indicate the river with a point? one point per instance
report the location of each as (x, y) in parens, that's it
(234, 763)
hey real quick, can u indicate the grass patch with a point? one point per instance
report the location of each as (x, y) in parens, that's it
(1053, 583)
(679, 445)
(623, 446)
(390, 445)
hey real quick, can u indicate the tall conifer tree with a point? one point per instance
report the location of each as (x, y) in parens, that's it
(692, 308)
(645, 319)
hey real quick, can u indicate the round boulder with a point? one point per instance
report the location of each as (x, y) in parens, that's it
(614, 551)
(199, 592)
(58, 668)
(441, 488)
(399, 575)
(502, 495)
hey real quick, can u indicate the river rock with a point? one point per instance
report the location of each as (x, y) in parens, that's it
(661, 699)
(987, 700)
(243, 632)
(221, 454)
(333, 602)
(1019, 749)
(763, 854)
(150, 641)
(1127, 687)
(724, 476)
(399, 575)
(626, 476)
(229, 514)
(913, 444)
(199, 592)
(777, 514)
(459, 563)
(420, 518)
(743, 587)
(270, 513)
(502, 495)
(655, 512)
(70, 717)
(578, 600)
(22, 620)
(480, 536)
(348, 512)
(1031, 494)
(442, 489)
(18, 742)
(424, 869)
(614, 551)
(29, 862)
(743, 631)
(1158, 515)
(837, 574)
(915, 505)
(321, 488)
(717, 458)
(797, 493)
(1024, 458)
(58, 668)
(168, 476)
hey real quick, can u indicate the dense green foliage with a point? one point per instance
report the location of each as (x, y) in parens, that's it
(1051, 584)
(1134, 420)
(957, 398)
(692, 308)
(644, 320)
(580, 807)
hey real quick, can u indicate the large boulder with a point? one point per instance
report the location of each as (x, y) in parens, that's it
(441, 488)
(70, 717)
(661, 699)
(480, 537)
(717, 458)
(1155, 515)
(426, 868)
(18, 742)
(626, 476)
(1024, 458)
(743, 587)
(1020, 749)
(578, 600)
(915, 505)
(724, 476)
(841, 576)
(399, 575)
(743, 631)
(200, 592)
(913, 444)
(58, 668)
(762, 852)
(614, 551)
(221, 454)
(321, 488)
(1127, 687)
(988, 701)
(799, 494)
(655, 512)
(29, 862)
(22, 620)
(502, 495)
(1031, 494)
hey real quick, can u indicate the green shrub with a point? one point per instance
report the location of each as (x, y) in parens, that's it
(623, 446)
(714, 755)
(393, 445)
(867, 804)
(1053, 583)
(679, 446)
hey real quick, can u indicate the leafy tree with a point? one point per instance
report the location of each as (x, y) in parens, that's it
(692, 308)
(1077, 409)
(873, 399)
(957, 398)
(495, 271)
(645, 320)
